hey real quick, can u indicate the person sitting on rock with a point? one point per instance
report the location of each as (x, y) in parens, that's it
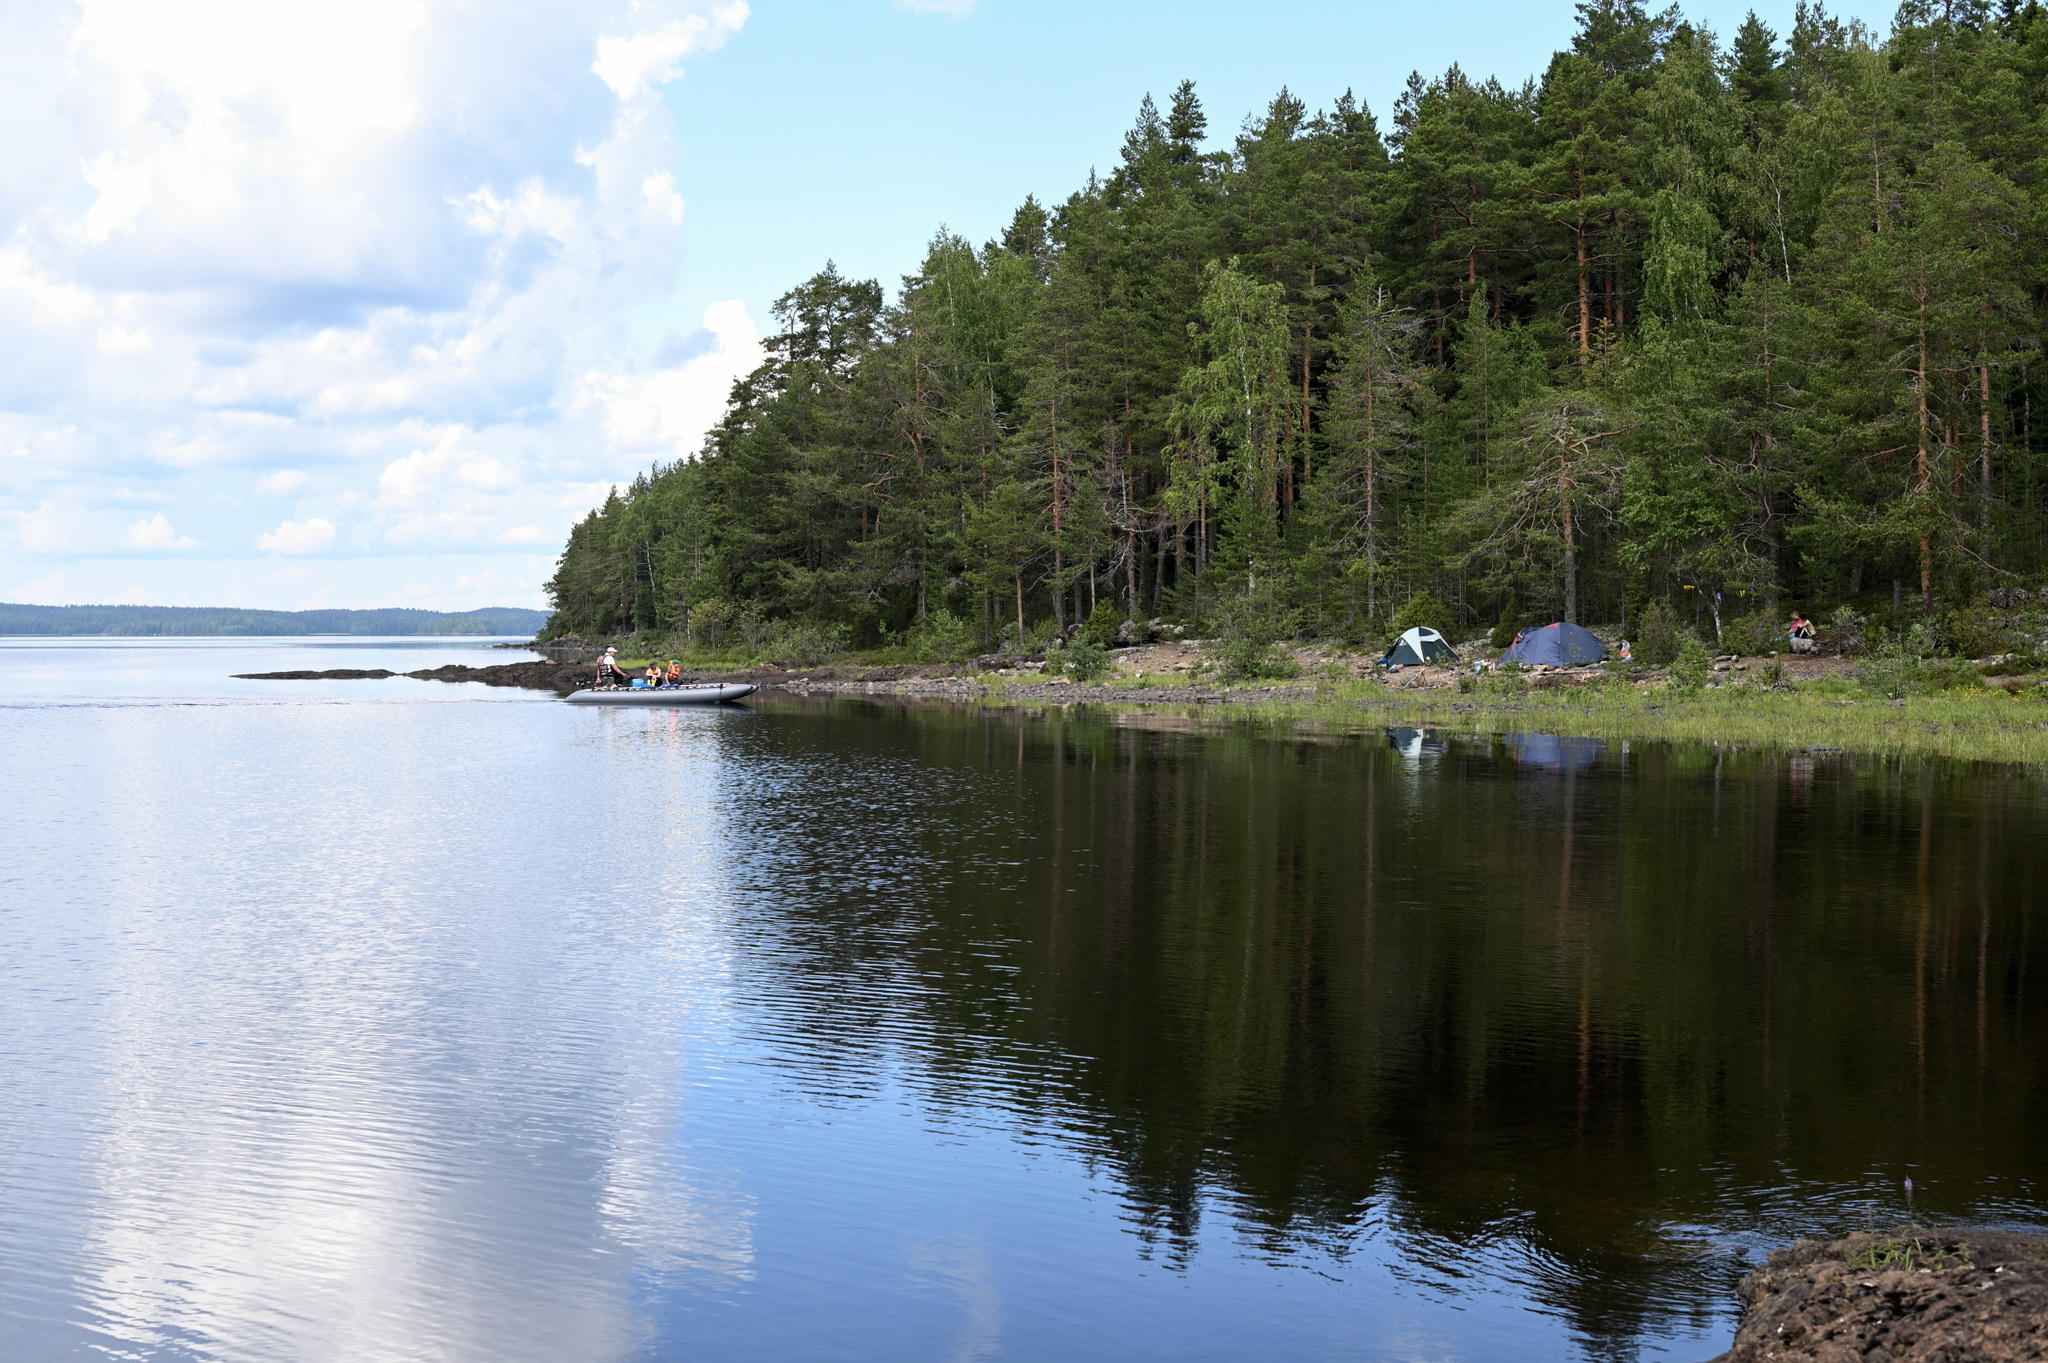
(1801, 634)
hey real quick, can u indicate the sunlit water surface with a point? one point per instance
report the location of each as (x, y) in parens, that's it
(403, 1020)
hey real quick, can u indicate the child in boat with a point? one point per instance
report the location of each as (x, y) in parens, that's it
(675, 671)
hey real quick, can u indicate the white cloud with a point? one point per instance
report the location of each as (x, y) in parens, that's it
(156, 533)
(298, 537)
(123, 193)
(53, 528)
(637, 62)
(667, 413)
(43, 591)
(952, 9)
(241, 240)
(115, 340)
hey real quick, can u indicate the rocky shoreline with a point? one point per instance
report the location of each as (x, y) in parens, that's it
(561, 677)
(914, 681)
(1915, 1294)
(1026, 683)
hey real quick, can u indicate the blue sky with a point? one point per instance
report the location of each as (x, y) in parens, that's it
(363, 303)
(853, 130)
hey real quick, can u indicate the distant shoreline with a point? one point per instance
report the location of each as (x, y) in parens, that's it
(18, 620)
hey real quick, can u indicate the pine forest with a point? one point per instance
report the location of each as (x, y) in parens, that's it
(1733, 323)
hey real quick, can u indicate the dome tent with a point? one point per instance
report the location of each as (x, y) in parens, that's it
(1558, 645)
(1418, 646)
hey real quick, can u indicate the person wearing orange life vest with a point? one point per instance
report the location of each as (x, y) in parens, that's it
(675, 671)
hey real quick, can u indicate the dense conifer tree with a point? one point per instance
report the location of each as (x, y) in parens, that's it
(1761, 320)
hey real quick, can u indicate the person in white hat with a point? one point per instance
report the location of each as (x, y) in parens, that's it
(608, 673)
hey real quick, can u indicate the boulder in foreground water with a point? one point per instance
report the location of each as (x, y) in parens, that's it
(1917, 1294)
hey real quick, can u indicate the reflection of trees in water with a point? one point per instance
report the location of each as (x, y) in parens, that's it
(1532, 1006)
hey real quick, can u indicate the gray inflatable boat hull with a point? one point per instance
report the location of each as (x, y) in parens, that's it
(709, 694)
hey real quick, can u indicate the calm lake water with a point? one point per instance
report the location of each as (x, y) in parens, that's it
(402, 1020)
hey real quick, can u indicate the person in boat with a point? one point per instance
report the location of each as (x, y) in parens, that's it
(654, 674)
(675, 671)
(608, 671)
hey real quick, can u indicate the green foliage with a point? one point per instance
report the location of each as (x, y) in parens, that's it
(1753, 635)
(943, 638)
(1692, 667)
(752, 627)
(805, 643)
(1974, 632)
(1249, 625)
(1635, 328)
(1102, 624)
(1422, 609)
(1658, 639)
(1907, 1254)
(1906, 662)
(1510, 620)
(1086, 659)
(710, 622)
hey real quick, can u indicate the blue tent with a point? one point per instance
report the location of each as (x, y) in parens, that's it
(1558, 645)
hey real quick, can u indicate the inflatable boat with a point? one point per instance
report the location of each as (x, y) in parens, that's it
(710, 693)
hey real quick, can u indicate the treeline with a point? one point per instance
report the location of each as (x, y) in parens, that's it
(1755, 319)
(204, 621)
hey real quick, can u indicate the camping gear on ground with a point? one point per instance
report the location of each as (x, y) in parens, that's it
(1557, 645)
(710, 693)
(1418, 646)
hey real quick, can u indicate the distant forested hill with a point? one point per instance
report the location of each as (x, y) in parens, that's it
(216, 620)
(1741, 321)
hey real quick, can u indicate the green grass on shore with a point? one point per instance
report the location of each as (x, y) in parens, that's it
(1984, 724)
(1990, 725)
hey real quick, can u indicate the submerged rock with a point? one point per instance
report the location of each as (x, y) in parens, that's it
(1917, 1294)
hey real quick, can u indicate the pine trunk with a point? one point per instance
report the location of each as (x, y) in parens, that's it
(1921, 477)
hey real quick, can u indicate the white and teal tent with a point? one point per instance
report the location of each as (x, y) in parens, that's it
(1420, 645)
